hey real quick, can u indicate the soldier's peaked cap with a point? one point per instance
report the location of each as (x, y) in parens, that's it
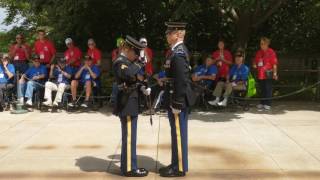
(134, 43)
(174, 26)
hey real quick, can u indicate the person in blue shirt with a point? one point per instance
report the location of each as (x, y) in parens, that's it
(205, 74)
(236, 80)
(60, 76)
(7, 72)
(87, 76)
(31, 80)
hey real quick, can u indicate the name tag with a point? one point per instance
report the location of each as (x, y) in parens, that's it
(16, 57)
(234, 77)
(260, 64)
(46, 48)
(41, 56)
(87, 77)
(60, 78)
(1, 75)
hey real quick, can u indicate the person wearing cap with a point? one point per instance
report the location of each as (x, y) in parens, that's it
(31, 80)
(20, 53)
(146, 55)
(126, 70)
(205, 74)
(94, 52)
(117, 51)
(45, 49)
(72, 55)
(60, 76)
(178, 98)
(7, 73)
(87, 77)
(266, 64)
(236, 80)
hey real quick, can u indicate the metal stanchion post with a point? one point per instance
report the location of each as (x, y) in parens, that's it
(19, 107)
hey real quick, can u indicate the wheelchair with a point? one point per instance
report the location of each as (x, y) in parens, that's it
(95, 103)
(238, 99)
(9, 97)
(203, 93)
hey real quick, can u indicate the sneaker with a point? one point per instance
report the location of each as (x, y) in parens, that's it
(215, 102)
(260, 106)
(223, 103)
(47, 103)
(29, 102)
(72, 104)
(55, 104)
(85, 104)
(267, 108)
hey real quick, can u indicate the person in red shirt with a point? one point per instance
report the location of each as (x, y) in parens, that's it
(266, 62)
(223, 59)
(146, 55)
(94, 52)
(20, 53)
(45, 49)
(222, 54)
(72, 55)
(116, 52)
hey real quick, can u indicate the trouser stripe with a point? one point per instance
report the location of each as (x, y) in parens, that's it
(179, 145)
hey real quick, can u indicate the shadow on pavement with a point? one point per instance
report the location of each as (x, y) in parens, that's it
(94, 164)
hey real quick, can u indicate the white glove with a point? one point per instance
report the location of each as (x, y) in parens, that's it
(175, 111)
(145, 91)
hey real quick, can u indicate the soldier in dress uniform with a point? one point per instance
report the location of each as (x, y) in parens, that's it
(126, 69)
(178, 98)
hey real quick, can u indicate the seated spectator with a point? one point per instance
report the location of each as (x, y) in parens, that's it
(20, 53)
(205, 74)
(60, 76)
(236, 80)
(87, 77)
(160, 77)
(94, 52)
(34, 77)
(7, 73)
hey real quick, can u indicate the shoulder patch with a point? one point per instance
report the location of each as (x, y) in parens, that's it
(180, 52)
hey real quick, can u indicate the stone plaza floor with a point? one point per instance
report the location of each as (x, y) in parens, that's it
(223, 144)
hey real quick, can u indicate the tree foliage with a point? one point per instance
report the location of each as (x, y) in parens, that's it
(294, 25)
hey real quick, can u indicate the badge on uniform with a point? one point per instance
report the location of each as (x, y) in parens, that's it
(123, 66)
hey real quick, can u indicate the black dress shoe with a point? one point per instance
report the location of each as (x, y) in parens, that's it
(140, 172)
(171, 172)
